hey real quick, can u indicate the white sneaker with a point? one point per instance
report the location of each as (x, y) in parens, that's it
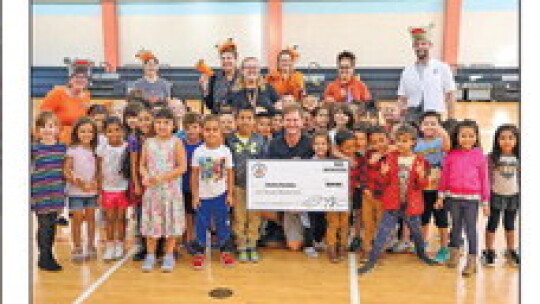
(118, 251)
(109, 253)
(311, 252)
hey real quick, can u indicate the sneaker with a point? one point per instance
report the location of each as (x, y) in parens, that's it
(190, 248)
(140, 255)
(320, 246)
(168, 263)
(77, 255)
(243, 256)
(513, 257)
(488, 257)
(148, 263)
(356, 243)
(253, 255)
(400, 247)
(198, 261)
(366, 268)
(109, 253)
(428, 261)
(442, 255)
(118, 251)
(227, 259)
(311, 252)
(62, 221)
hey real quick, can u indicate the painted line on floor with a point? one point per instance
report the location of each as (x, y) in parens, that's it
(353, 280)
(88, 291)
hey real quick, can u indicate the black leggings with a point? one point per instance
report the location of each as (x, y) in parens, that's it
(317, 229)
(440, 215)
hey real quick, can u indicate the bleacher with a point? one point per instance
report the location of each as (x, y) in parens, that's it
(474, 83)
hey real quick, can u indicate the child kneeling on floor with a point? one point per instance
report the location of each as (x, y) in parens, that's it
(403, 176)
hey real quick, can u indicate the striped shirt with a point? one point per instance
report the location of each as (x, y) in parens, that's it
(47, 180)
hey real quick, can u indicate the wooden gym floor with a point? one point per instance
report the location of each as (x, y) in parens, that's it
(289, 277)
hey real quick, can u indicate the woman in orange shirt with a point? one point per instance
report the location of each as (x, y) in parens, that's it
(285, 80)
(70, 102)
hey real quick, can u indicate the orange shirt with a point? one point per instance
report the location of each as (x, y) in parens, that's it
(67, 108)
(338, 90)
(293, 85)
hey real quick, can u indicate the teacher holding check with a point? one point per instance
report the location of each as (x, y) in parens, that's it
(292, 145)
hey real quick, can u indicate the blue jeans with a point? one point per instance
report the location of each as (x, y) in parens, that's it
(388, 223)
(213, 210)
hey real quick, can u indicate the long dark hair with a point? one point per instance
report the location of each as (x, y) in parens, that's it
(326, 137)
(344, 108)
(496, 151)
(467, 123)
(75, 140)
(131, 110)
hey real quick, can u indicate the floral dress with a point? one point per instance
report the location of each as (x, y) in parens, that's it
(162, 204)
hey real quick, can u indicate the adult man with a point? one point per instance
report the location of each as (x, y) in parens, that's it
(292, 145)
(428, 84)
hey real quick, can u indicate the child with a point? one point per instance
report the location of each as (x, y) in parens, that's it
(504, 173)
(338, 222)
(212, 186)
(464, 185)
(114, 187)
(178, 108)
(321, 119)
(308, 125)
(80, 171)
(226, 120)
(98, 113)
(403, 176)
(135, 142)
(47, 186)
(315, 230)
(432, 146)
(371, 203)
(277, 123)
(131, 118)
(360, 132)
(310, 103)
(264, 126)
(244, 145)
(163, 161)
(193, 129)
(118, 107)
(343, 120)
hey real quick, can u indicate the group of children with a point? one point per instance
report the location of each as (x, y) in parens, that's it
(184, 175)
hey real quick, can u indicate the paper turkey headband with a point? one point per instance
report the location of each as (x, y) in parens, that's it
(293, 52)
(421, 32)
(227, 46)
(145, 56)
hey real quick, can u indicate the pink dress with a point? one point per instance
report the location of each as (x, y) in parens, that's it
(162, 204)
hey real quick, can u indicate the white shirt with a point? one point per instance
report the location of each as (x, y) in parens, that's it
(213, 165)
(437, 79)
(111, 163)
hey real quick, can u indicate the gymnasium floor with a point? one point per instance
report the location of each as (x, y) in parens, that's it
(289, 277)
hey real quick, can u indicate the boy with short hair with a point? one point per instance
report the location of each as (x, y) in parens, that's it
(226, 120)
(245, 144)
(212, 186)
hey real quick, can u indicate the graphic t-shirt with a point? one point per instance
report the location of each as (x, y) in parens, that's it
(213, 165)
(432, 151)
(404, 165)
(111, 163)
(504, 177)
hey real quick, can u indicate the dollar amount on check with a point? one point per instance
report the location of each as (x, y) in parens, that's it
(298, 185)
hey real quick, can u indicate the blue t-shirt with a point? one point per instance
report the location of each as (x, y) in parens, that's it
(189, 156)
(431, 150)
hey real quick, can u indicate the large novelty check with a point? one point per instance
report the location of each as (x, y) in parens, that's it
(298, 185)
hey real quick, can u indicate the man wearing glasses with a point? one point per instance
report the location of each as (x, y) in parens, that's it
(428, 84)
(346, 88)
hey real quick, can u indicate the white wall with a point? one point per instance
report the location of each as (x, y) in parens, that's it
(377, 39)
(183, 40)
(489, 37)
(59, 35)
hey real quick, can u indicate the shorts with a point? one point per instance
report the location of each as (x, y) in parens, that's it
(188, 203)
(440, 215)
(114, 200)
(77, 203)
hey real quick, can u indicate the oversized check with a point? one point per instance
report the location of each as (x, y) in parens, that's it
(298, 185)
